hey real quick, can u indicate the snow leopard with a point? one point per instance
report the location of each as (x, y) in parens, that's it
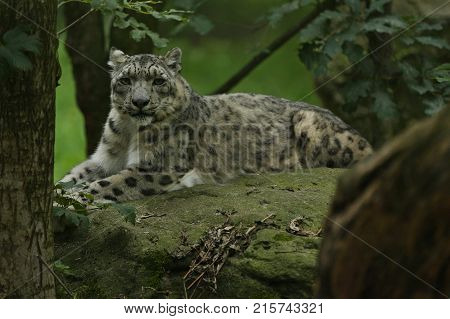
(161, 136)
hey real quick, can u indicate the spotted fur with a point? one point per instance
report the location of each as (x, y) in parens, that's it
(162, 136)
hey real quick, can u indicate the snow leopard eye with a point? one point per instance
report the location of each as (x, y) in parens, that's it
(125, 81)
(159, 81)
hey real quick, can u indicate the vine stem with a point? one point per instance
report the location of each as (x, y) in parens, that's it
(74, 22)
(64, 2)
(56, 276)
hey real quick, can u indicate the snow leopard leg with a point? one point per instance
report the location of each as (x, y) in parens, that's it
(135, 183)
(323, 139)
(110, 156)
(88, 171)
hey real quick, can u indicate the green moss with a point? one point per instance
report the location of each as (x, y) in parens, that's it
(155, 263)
(283, 237)
(117, 259)
(90, 291)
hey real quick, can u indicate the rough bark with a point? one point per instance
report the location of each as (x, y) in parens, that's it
(387, 235)
(27, 123)
(91, 81)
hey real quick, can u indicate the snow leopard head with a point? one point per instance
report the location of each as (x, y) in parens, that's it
(146, 87)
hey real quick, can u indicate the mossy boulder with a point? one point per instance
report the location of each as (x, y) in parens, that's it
(113, 258)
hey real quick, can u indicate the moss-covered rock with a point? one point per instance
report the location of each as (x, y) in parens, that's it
(113, 258)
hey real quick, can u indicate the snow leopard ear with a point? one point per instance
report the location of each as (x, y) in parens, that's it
(116, 57)
(173, 59)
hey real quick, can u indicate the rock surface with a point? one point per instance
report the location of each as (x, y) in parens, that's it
(116, 259)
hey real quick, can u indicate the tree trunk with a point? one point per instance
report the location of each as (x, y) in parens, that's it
(91, 81)
(387, 235)
(27, 124)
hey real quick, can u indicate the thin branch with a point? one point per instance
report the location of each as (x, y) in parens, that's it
(196, 279)
(251, 229)
(56, 276)
(75, 22)
(268, 51)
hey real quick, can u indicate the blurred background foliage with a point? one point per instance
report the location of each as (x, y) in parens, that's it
(402, 82)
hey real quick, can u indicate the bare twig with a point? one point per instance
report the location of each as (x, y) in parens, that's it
(268, 51)
(152, 215)
(295, 228)
(251, 229)
(196, 279)
(214, 250)
(56, 276)
(185, 290)
(195, 264)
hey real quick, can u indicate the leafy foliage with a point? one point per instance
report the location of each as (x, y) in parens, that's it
(374, 62)
(127, 211)
(441, 73)
(72, 206)
(376, 57)
(119, 11)
(197, 22)
(276, 14)
(15, 46)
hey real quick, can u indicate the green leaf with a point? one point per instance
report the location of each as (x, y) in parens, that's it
(137, 35)
(377, 6)
(278, 13)
(434, 105)
(441, 73)
(128, 211)
(332, 47)
(350, 33)
(353, 51)
(386, 24)
(69, 217)
(184, 4)
(62, 268)
(201, 24)
(65, 185)
(62, 200)
(425, 26)
(367, 67)
(314, 60)
(318, 28)
(422, 87)
(15, 59)
(439, 43)
(409, 72)
(354, 90)
(111, 4)
(157, 40)
(59, 211)
(96, 4)
(14, 46)
(121, 23)
(383, 105)
(355, 5)
(407, 40)
(76, 219)
(168, 15)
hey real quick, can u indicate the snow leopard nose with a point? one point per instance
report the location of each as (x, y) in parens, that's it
(140, 102)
